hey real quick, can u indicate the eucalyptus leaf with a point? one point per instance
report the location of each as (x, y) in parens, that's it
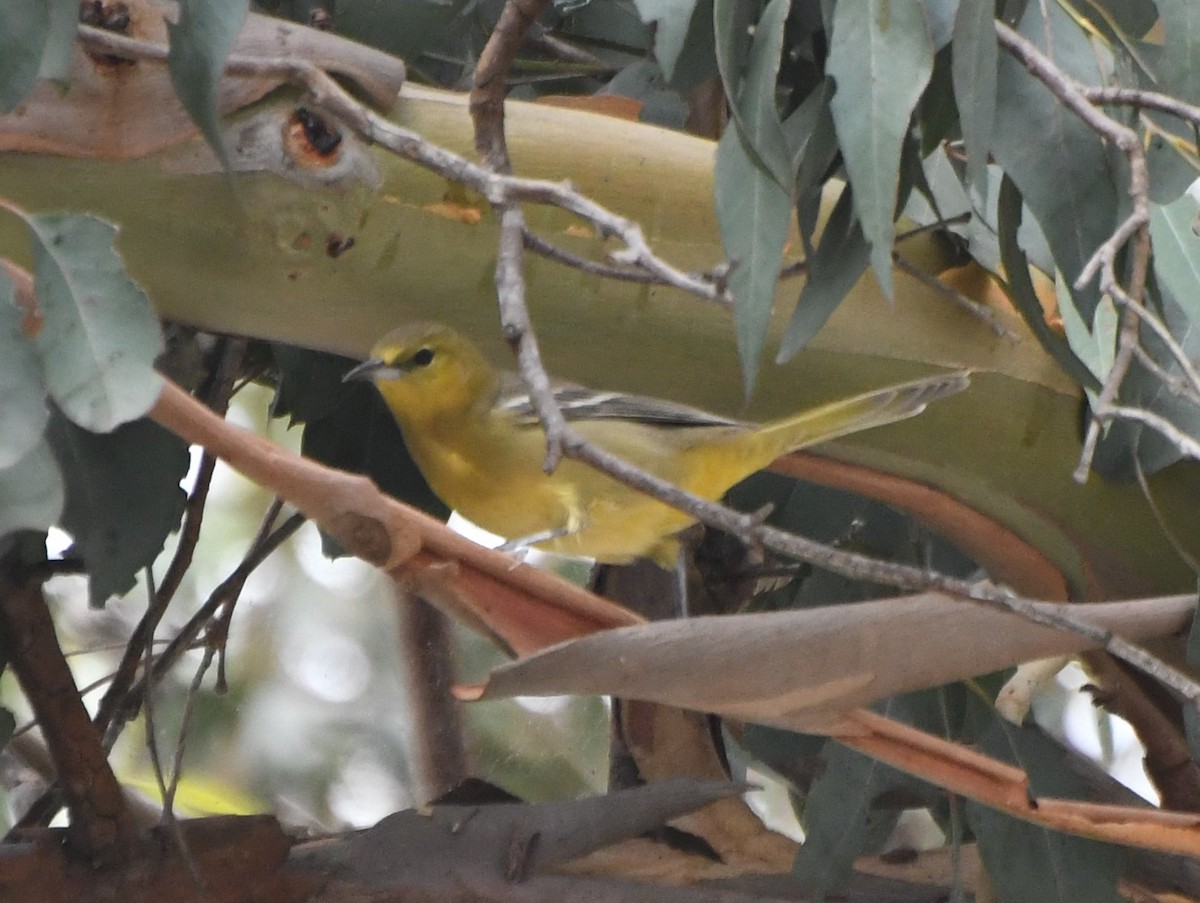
(1022, 293)
(672, 19)
(753, 207)
(200, 42)
(1054, 867)
(752, 98)
(63, 25)
(881, 56)
(123, 497)
(975, 60)
(835, 266)
(1060, 165)
(1178, 74)
(100, 337)
(22, 395)
(31, 492)
(22, 40)
(941, 15)
(1177, 252)
(842, 819)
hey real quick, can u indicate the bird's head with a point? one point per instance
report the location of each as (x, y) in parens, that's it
(426, 370)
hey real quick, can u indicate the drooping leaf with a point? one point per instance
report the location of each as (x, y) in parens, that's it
(99, 337)
(1177, 252)
(697, 60)
(941, 15)
(1177, 73)
(200, 42)
(881, 56)
(671, 19)
(1022, 293)
(1054, 867)
(22, 395)
(31, 492)
(1060, 165)
(752, 97)
(123, 497)
(22, 39)
(843, 819)
(975, 58)
(753, 207)
(835, 266)
(60, 38)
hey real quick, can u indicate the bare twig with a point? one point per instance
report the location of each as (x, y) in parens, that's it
(974, 308)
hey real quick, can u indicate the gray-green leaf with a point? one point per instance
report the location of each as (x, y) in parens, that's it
(881, 57)
(22, 396)
(671, 19)
(22, 40)
(974, 61)
(123, 497)
(100, 336)
(31, 492)
(1060, 165)
(200, 42)
(835, 265)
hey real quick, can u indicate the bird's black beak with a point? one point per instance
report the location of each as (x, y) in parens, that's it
(366, 371)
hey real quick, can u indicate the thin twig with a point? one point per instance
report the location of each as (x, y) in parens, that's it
(974, 308)
(169, 822)
(188, 634)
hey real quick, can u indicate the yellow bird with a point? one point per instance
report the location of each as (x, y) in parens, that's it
(475, 437)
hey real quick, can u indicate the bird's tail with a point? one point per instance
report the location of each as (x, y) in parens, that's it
(850, 415)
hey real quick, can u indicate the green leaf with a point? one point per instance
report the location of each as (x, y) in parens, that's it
(671, 19)
(100, 337)
(941, 15)
(22, 395)
(881, 57)
(1060, 165)
(753, 213)
(22, 39)
(62, 29)
(1054, 867)
(1178, 74)
(842, 820)
(31, 492)
(975, 58)
(834, 267)
(123, 497)
(1177, 252)
(753, 209)
(752, 99)
(1021, 290)
(200, 42)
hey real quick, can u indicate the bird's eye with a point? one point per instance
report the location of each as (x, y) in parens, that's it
(423, 358)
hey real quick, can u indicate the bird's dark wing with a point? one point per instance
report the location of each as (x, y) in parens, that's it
(581, 403)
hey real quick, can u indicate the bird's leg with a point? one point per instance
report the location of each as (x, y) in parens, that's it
(525, 543)
(682, 562)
